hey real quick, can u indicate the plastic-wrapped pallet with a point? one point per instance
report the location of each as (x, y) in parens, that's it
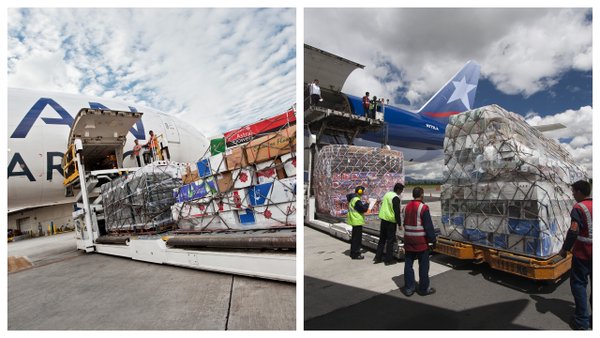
(143, 199)
(340, 168)
(507, 186)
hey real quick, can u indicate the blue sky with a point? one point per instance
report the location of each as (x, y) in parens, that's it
(535, 62)
(237, 64)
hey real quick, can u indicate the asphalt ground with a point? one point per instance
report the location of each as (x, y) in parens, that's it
(345, 294)
(69, 290)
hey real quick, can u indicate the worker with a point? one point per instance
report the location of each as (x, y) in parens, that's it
(373, 107)
(366, 102)
(579, 239)
(136, 152)
(390, 217)
(315, 93)
(356, 219)
(418, 232)
(152, 146)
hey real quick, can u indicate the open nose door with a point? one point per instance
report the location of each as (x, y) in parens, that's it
(103, 134)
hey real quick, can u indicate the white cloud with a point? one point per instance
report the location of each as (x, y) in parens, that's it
(578, 133)
(237, 64)
(520, 50)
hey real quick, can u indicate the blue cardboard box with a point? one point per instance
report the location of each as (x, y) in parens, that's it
(524, 227)
(204, 168)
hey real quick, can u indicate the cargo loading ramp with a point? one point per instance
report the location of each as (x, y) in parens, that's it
(95, 157)
(325, 121)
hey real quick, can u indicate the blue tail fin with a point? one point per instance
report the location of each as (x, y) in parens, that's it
(456, 96)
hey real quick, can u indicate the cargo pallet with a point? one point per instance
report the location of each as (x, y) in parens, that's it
(550, 269)
(268, 254)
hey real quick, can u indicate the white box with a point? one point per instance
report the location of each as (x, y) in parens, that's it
(243, 178)
(283, 191)
(221, 205)
(265, 165)
(237, 199)
(281, 214)
(230, 218)
(217, 163)
(289, 164)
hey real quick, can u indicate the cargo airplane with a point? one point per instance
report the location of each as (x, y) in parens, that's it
(419, 135)
(38, 128)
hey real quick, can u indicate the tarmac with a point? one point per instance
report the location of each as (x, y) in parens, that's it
(69, 290)
(345, 294)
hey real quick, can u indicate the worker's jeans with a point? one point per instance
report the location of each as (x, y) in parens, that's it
(409, 273)
(580, 270)
(356, 241)
(387, 237)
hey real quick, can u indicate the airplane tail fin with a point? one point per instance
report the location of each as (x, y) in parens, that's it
(456, 96)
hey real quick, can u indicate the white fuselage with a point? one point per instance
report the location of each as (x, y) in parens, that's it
(38, 128)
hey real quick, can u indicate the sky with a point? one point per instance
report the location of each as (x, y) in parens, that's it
(534, 62)
(198, 64)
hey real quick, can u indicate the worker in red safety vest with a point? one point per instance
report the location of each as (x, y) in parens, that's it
(366, 102)
(579, 239)
(419, 237)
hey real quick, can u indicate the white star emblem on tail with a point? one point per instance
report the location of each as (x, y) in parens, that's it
(461, 91)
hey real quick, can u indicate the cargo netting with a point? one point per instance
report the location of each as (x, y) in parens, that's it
(245, 181)
(338, 169)
(506, 186)
(141, 202)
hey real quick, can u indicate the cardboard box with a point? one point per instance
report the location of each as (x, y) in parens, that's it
(259, 194)
(238, 199)
(221, 204)
(235, 158)
(192, 191)
(269, 171)
(283, 191)
(203, 168)
(217, 164)
(211, 186)
(289, 164)
(246, 217)
(281, 214)
(190, 177)
(280, 170)
(243, 178)
(224, 182)
(272, 145)
(217, 146)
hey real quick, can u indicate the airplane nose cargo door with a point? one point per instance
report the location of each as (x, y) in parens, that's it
(171, 131)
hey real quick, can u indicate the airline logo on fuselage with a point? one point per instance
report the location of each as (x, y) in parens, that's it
(17, 161)
(430, 126)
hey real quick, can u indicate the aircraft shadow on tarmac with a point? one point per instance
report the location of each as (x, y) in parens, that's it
(393, 311)
(505, 279)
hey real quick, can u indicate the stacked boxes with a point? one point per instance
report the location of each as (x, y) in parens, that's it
(251, 185)
(507, 186)
(142, 200)
(340, 168)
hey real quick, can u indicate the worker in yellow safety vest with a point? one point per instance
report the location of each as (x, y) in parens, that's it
(356, 219)
(390, 217)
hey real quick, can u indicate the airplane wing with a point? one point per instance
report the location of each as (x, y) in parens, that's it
(331, 70)
(548, 127)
